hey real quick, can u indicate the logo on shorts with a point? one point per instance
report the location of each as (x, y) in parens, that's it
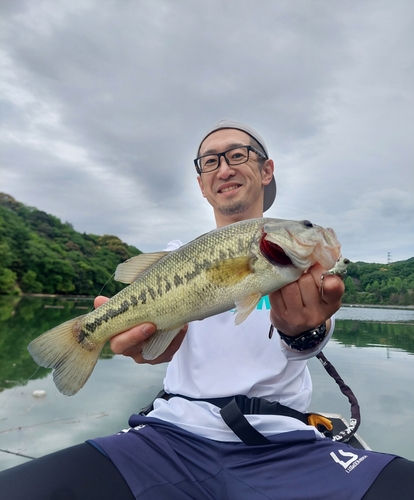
(137, 428)
(352, 460)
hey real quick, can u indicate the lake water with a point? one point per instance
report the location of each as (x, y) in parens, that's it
(372, 349)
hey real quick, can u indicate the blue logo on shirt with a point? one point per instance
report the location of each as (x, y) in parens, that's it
(264, 303)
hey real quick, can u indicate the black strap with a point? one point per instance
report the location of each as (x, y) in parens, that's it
(147, 409)
(239, 424)
(355, 421)
(249, 406)
(234, 409)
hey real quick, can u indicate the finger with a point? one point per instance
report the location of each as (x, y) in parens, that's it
(292, 296)
(167, 355)
(301, 307)
(99, 301)
(132, 339)
(300, 294)
(276, 301)
(333, 286)
(287, 306)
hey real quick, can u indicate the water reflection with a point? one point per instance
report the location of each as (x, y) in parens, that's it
(374, 356)
(368, 334)
(23, 319)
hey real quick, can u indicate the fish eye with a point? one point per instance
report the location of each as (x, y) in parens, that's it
(307, 223)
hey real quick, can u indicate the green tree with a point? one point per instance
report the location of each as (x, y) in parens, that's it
(39, 253)
(29, 283)
(8, 282)
(350, 285)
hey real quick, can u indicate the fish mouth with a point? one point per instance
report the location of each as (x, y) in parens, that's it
(274, 253)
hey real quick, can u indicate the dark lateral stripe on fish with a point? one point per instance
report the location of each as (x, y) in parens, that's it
(198, 269)
(178, 280)
(223, 255)
(204, 277)
(82, 335)
(111, 313)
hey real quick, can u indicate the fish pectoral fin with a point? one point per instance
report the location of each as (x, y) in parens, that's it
(130, 270)
(158, 343)
(72, 360)
(245, 306)
(229, 272)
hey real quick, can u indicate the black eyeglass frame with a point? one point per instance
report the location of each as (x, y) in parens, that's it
(219, 155)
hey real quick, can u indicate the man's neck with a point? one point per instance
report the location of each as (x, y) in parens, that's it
(225, 220)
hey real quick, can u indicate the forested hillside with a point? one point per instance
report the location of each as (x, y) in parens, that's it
(388, 284)
(40, 254)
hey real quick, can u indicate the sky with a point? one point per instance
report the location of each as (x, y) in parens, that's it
(104, 103)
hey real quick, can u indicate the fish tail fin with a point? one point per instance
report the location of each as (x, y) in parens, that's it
(70, 354)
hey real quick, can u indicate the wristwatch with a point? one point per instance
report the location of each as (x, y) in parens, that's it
(305, 340)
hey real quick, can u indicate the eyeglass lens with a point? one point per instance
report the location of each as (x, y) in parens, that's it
(233, 156)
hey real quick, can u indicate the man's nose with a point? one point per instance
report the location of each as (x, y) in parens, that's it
(224, 169)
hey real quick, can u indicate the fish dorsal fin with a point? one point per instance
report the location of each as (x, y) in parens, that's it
(130, 270)
(229, 272)
(157, 343)
(245, 306)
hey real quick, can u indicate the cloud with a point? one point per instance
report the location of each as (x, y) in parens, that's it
(104, 105)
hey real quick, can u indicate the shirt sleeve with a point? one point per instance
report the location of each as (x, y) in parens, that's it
(173, 245)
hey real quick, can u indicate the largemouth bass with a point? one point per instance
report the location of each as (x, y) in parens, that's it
(230, 267)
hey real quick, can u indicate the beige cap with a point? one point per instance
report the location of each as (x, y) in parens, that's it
(270, 189)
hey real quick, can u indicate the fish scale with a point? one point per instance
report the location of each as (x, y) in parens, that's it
(230, 267)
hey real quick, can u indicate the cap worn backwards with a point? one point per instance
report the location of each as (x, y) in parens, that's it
(270, 189)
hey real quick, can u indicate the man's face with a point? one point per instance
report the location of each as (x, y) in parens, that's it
(234, 192)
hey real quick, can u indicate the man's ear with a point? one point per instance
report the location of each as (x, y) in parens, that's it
(200, 183)
(268, 169)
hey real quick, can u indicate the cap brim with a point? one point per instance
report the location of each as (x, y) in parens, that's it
(269, 194)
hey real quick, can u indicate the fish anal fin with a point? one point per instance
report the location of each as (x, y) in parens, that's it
(131, 269)
(158, 343)
(72, 359)
(245, 306)
(229, 272)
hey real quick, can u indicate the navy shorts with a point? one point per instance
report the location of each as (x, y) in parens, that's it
(160, 460)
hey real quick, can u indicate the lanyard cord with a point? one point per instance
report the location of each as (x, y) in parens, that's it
(347, 433)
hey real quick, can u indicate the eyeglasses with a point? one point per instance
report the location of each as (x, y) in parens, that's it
(233, 156)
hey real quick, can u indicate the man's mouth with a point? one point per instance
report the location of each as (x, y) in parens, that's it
(227, 189)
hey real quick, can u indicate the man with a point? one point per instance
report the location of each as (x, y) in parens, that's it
(216, 432)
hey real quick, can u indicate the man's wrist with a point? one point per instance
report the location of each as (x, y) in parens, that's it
(305, 340)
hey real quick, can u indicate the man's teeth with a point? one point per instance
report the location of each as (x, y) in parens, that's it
(226, 190)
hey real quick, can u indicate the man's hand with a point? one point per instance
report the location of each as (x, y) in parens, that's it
(130, 343)
(299, 306)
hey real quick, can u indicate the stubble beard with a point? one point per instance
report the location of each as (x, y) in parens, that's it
(234, 208)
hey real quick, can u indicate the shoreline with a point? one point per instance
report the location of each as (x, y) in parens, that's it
(90, 297)
(379, 306)
(57, 296)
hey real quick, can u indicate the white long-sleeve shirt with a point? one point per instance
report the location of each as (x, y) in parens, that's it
(219, 359)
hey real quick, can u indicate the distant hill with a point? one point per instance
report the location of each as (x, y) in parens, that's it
(386, 284)
(40, 254)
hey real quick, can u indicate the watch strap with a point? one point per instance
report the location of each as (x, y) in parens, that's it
(305, 340)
